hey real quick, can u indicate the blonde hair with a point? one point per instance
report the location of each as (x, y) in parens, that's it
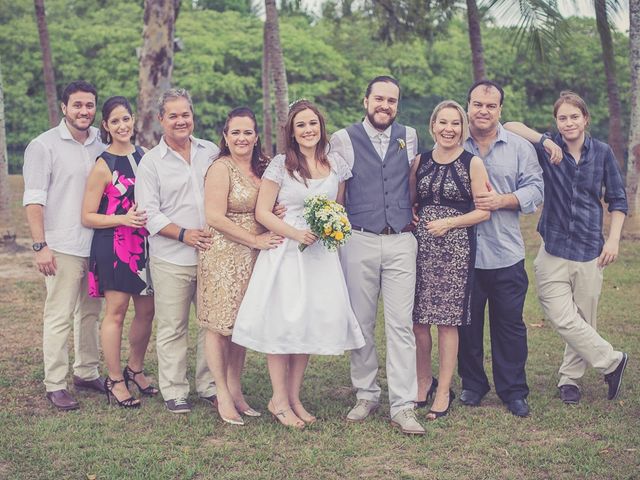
(463, 118)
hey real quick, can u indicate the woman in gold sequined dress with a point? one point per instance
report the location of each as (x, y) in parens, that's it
(231, 190)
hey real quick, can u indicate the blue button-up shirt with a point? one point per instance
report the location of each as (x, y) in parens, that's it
(513, 168)
(571, 221)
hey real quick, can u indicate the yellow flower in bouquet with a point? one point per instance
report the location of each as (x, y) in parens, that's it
(327, 220)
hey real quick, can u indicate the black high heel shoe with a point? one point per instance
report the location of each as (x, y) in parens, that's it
(437, 415)
(430, 393)
(129, 375)
(130, 402)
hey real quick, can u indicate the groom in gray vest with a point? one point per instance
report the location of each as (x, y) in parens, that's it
(380, 257)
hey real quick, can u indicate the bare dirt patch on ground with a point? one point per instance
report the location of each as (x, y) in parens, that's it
(16, 262)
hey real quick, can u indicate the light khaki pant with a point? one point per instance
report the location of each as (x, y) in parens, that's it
(174, 289)
(386, 264)
(68, 300)
(568, 292)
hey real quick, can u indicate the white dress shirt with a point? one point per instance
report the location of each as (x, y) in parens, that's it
(341, 142)
(55, 173)
(172, 191)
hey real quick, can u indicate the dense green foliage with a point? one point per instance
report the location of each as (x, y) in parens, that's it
(328, 61)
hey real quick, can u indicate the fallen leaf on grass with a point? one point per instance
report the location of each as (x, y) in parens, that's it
(91, 476)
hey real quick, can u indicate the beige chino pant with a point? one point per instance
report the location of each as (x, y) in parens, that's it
(68, 302)
(174, 289)
(386, 264)
(568, 292)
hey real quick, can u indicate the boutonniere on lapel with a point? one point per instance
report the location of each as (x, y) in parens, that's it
(401, 144)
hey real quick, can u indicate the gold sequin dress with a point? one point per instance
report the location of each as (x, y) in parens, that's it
(225, 268)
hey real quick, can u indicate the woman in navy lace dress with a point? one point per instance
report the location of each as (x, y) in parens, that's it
(443, 182)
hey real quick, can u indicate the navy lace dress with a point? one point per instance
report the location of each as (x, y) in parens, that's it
(444, 270)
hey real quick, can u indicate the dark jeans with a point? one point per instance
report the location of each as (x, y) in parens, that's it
(505, 289)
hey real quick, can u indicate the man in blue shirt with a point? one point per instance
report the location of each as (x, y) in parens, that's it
(574, 252)
(500, 278)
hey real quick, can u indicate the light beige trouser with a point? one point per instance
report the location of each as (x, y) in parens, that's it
(68, 300)
(568, 292)
(174, 289)
(371, 264)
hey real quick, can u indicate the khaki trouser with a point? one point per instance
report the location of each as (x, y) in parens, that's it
(174, 289)
(386, 264)
(68, 299)
(568, 292)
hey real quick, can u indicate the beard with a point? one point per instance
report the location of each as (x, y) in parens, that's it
(74, 123)
(379, 125)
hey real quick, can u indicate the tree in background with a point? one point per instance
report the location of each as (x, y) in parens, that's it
(603, 9)
(47, 63)
(156, 66)
(399, 20)
(277, 70)
(267, 120)
(4, 162)
(633, 165)
(475, 40)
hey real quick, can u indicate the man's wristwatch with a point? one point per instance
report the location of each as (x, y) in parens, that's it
(38, 246)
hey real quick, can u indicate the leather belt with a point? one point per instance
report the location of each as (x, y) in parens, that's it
(386, 231)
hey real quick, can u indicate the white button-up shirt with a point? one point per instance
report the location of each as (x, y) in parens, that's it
(55, 173)
(172, 191)
(341, 142)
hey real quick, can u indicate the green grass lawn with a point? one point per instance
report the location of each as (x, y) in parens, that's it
(597, 439)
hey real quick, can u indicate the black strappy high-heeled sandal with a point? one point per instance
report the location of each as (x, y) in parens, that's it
(130, 376)
(436, 415)
(430, 393)
(130, 402)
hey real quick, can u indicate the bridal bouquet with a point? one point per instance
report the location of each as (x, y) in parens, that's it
(327, 220)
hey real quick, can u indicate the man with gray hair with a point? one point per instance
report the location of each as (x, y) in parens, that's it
(170, 188)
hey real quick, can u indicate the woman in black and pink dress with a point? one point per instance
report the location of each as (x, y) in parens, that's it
(117, 264)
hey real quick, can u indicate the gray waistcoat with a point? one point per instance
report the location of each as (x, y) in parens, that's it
(377, 195)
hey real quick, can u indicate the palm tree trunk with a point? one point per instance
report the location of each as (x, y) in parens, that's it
(278, 71)
(156, 66)
(4, 165)
(267, 120)
(615, 108)
(475, 40)
(632, 226)
(47, 64)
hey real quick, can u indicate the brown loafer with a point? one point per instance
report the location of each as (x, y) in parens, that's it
(62, 400)
(96, 384)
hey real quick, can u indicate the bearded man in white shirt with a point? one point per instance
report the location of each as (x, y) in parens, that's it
(56, 166)
(170, 188)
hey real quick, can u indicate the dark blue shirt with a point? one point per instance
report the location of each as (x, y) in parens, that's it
(571, 221)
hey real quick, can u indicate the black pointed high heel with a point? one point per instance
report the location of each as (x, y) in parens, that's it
(129, 375)
(130, 402)
(430, 393)
(437, 415)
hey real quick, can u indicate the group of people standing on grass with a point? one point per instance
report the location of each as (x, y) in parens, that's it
(435, 233)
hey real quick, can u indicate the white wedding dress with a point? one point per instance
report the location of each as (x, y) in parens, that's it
(297, 302)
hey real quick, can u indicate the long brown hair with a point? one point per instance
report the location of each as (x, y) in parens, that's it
(295, 161)
(259, 160)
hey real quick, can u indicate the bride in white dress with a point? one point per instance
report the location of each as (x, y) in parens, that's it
(297, 303)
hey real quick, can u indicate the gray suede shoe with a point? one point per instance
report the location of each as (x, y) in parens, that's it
(361, 410)
(407, 422)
